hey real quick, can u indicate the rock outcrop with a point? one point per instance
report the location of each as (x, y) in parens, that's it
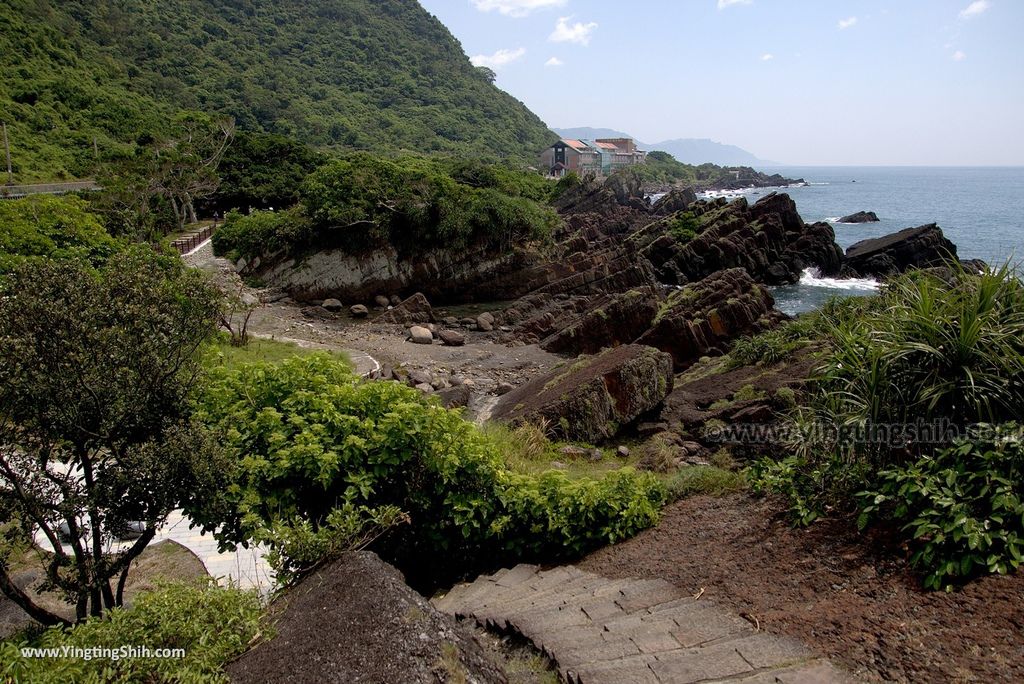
(590, 399)
(920, 247)
(859, 217)
(703, 318)
(356, 620)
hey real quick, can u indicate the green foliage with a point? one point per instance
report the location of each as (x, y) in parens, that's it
(50, 226)
(262, 232)
(709, 480)
(347, 74)
(212, 624)
(310, 437)
(296, 547)
(262, 171)
(962, 508)
(363, 201)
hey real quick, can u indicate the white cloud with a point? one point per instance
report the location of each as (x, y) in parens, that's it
(722, 4)
(574, 33)
(498, 59)
(553, 62)
(959, 56)
(516, 8)
(974, 9)
(847, 23)
(767, 57)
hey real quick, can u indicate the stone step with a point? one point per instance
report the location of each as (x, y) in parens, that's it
(605, 631)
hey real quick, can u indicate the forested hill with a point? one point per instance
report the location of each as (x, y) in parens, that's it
(351, 74)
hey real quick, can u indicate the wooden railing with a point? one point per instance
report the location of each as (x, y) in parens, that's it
(187, 243)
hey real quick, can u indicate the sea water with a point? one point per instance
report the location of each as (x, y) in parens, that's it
(981, 209)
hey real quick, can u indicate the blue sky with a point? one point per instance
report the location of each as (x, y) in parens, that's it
(900, 82)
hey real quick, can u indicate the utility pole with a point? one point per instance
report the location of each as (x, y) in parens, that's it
(7, 147)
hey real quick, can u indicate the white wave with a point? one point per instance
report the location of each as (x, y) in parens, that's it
(813, 278)
(832, 219)
(813, 183)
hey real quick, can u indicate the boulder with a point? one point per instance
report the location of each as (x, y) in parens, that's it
(332, 305)
(382, 301)
(485, 322)
(359, 311)
(860, 217)
(920, 247)
(420, 335)
(395, 300)
(420, 377)
(591, 399)
(415, 309)
(451, 338)
(456, 396)
(609, 321)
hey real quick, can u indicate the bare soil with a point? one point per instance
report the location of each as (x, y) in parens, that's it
(847, 595)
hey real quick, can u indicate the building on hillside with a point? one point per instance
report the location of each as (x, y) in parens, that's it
(599, 157)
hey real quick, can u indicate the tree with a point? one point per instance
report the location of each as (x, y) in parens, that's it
(96, 370)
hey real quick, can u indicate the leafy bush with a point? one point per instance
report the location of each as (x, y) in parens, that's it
(963, 508)
(212, 624)
(684, 227)
(50, 226)
(311, 437)
(261, 232)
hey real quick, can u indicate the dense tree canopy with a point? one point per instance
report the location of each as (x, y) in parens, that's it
(346, 74)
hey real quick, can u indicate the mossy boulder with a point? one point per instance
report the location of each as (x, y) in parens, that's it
(592, 399)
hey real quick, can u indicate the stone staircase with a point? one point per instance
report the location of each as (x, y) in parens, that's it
(631, 631)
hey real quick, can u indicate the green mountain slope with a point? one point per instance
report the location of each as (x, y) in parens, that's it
(348, 74)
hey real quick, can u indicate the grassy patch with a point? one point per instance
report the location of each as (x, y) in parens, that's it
(259, 350)
(710, 480)
(526, 449)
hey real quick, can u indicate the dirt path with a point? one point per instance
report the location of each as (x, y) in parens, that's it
(847, 596)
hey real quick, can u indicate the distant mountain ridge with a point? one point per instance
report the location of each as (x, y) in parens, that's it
(686, 150)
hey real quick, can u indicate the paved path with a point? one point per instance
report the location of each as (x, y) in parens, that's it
(603, 631)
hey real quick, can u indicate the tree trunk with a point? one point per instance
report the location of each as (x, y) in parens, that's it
(11, 590)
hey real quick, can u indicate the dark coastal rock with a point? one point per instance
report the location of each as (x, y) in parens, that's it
(703, 318)
(768, 239)
(359, 311)
(920, 247)
(860, 217)
(332, 305)
(674, 200)
(415, 309)
(455, 397)
(590, 399)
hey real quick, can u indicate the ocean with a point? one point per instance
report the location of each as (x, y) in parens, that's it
(981, 209)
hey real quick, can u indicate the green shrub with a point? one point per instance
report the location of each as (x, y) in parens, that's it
(212, 624)
(310, 437)
(261, 233)
(962, 508)
(50, 226)
(684, 227)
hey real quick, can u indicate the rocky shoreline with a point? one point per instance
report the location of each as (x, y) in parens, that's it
(601, 336)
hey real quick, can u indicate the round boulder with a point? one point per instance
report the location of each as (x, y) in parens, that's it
(359, 311)
(332, 305)
(382, 301)
(452, 338)
(420, 335)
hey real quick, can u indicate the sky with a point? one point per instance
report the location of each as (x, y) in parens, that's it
(836, 82)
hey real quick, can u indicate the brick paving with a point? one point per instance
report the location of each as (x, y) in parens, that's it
(604, 631)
